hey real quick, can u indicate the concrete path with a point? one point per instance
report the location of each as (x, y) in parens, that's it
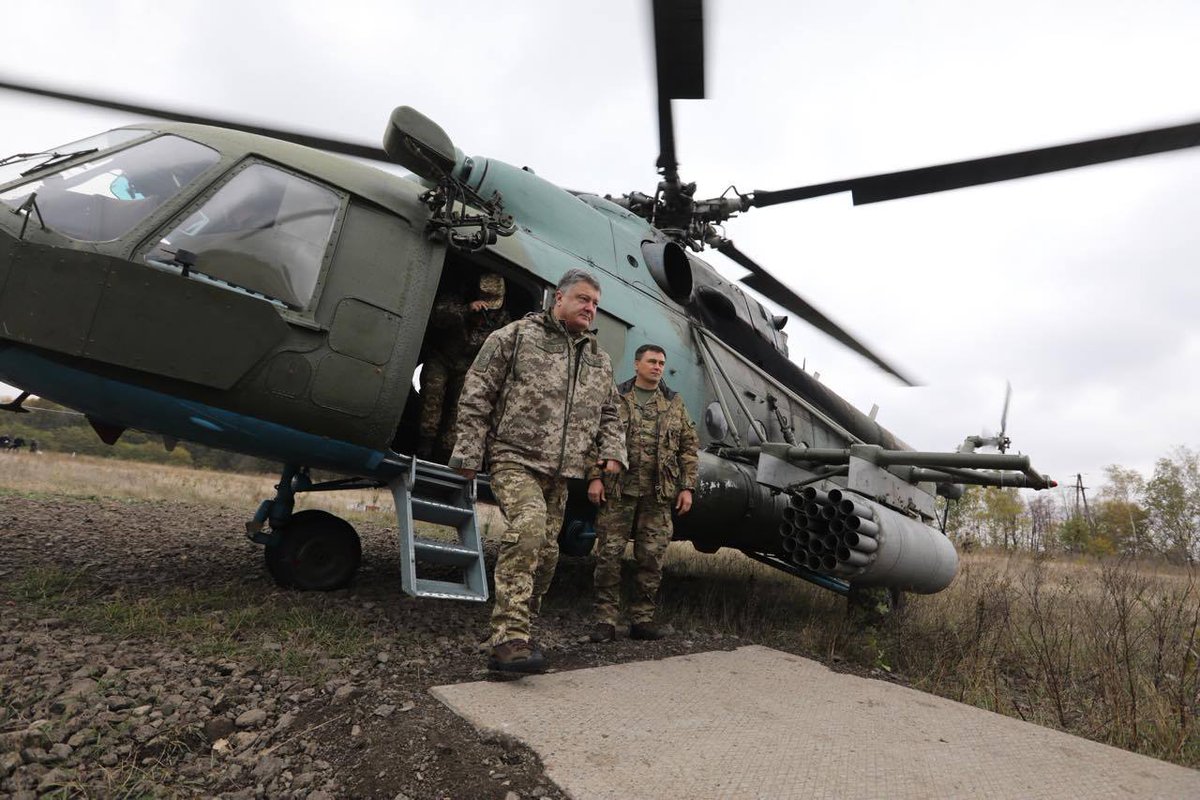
(758, 723)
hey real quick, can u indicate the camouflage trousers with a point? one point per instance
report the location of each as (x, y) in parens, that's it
(649, 520)
(533, 506)
(441, 383)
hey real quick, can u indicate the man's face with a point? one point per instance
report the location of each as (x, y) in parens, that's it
(649, 368)
(576, 306)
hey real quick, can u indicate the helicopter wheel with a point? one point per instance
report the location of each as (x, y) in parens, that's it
(317, 552)
(576, 538)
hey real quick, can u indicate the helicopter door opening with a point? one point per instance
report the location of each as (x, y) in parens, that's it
(473, 299)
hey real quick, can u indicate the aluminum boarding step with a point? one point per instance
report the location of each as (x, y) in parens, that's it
(428, 492)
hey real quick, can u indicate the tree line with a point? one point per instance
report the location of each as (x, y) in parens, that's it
(1128, 515)
(60, 430)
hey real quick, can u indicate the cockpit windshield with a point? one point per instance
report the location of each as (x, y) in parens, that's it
(21, 164)
(106, 197)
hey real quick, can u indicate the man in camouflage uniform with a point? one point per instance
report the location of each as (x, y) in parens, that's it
(662, 446)
(537, 407)
(459, 324)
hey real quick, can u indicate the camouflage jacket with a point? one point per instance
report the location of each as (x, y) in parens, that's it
(678, 445)
(541, 398)
(458, 332)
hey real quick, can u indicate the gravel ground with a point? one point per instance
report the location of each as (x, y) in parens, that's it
(144, 652)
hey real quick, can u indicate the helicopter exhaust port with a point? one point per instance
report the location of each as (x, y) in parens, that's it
(669, 266)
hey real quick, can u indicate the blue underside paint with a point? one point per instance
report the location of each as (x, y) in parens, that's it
(130, 406)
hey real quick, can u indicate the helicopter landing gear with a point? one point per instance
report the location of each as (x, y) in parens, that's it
(315, 551)
(576, 538)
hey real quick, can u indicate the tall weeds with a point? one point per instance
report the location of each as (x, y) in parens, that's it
(1107, 650)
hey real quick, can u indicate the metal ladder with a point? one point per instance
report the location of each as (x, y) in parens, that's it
(430, 492)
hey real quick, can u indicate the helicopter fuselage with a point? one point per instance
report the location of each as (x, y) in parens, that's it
(263, 297)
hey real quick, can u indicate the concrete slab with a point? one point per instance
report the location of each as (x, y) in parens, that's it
(756, 722)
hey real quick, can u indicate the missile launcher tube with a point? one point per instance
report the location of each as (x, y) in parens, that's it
(734, 510)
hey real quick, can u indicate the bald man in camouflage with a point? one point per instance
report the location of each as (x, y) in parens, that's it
(538, 406)
(663, 451)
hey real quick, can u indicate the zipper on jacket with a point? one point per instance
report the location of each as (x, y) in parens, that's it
(572, 356)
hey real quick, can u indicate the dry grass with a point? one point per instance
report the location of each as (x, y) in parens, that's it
(1107, 650)
(85, 476)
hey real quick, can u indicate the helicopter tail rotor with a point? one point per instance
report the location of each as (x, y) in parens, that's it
(1002, 440)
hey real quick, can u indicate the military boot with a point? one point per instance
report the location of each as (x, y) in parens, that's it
(516, 655)
(645, 630)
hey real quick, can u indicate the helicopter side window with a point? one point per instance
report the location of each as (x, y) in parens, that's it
(106, 197)
(265, 231)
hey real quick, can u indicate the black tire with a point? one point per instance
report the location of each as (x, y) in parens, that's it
(317, 552)
(576, 538)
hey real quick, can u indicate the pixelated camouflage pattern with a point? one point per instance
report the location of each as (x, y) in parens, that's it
(540, 397)
(678, 449)
(441, 383)
(491, 290)
(454, 337)
(649, 520)
(641, 446)
(533, 506)
(455, 332)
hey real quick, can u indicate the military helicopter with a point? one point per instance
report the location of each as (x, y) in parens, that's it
(251, 289)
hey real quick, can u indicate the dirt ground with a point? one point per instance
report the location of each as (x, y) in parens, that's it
(145, 652)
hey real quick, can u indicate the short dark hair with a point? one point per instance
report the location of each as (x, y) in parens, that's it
(647, 348)
(574, 276)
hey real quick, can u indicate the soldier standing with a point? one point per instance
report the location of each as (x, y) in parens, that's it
(459, 323)
(663, 464)
(537, 401)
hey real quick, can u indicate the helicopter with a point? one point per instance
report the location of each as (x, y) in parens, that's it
(248, 288)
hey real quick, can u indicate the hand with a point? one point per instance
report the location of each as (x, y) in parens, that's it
(479, 305)
(683, 503)
(612, 466)
(469, 474)
(596, 491)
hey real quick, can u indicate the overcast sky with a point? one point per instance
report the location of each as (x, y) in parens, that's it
(1079, 287)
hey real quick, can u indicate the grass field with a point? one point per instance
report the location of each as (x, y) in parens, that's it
(1104, 649)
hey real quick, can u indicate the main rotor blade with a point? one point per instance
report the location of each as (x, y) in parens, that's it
(310, 140)
(941, 178)
(679, 48)
(679, 60)
(770, 287)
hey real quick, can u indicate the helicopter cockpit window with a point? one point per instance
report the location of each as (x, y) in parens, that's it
(265, 231)
(105, 198)
(17, 166)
